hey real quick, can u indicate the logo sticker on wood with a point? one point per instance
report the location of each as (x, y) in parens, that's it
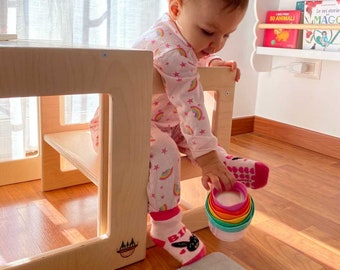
(127, 249)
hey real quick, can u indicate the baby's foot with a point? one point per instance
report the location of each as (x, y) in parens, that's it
(253, 174)
(177, 240)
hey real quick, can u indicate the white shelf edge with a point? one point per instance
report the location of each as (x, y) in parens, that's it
(299, 53)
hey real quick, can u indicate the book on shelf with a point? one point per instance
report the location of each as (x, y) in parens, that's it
(322, 12)
(279, 37)
(300, 5)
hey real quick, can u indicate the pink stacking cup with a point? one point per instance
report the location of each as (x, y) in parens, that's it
(232, 200)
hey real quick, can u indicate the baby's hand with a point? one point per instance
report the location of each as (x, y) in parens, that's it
(214, 172)
(231, 64)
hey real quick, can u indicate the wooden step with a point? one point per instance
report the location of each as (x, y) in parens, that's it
(76, 147)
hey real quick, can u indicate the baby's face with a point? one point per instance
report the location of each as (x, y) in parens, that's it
(205, 25)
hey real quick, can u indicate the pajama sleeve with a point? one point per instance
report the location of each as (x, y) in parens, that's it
(185, 92)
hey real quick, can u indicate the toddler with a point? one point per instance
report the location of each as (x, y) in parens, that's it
(186, 37)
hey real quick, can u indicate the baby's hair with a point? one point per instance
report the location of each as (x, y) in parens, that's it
(235, 4)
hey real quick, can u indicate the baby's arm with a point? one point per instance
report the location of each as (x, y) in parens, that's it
(214, 172)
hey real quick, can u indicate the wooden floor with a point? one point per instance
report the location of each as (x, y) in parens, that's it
(296, 223)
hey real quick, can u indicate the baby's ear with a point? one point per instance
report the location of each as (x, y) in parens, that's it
(174, 8)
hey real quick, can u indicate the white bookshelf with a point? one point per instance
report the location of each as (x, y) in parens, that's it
(262, 56)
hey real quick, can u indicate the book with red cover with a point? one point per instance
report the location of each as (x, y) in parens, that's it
(282, 38)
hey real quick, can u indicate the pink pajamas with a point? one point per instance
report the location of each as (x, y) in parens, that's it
(179, 118)
(164, 181)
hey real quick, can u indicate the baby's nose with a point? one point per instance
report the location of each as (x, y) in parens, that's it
(217, 44)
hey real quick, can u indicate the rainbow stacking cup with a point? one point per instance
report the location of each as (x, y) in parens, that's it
(229, 212)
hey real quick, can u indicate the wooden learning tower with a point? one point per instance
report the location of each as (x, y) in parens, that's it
(125, 80)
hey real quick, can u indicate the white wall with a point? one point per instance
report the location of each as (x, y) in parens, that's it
(307, 103)
(279, 95)
(239, 47)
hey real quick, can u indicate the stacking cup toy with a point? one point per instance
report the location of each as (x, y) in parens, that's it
(229, 212)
